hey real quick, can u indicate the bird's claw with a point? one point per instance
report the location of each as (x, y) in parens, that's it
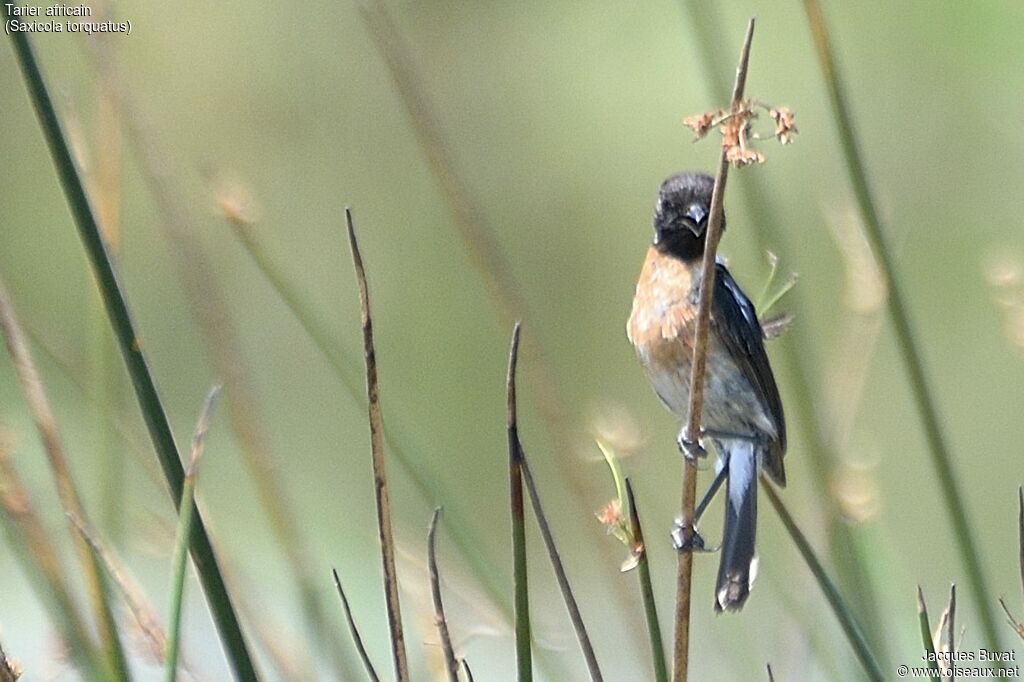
(691, 450)
(682, 543)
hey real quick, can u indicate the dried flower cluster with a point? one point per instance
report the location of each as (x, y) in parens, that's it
(736, 127)
(615, 516)
(618, 524)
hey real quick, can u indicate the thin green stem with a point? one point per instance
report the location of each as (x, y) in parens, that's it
(341, 362)
(847, 621)
(32, 547)
(128, 340)
(804, 388)
(178, 570)
(364, 656)
(926, 633)
(423, 478)
(942, 460)
(179, 562)
(561, 577)
(521, 600)
(215, 320)
(134, 597)
(499, 278)
(64, 482)
(647, 590)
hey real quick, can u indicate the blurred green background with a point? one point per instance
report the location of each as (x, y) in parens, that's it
(561, 120)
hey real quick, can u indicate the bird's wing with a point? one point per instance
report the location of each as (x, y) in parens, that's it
(738, 327)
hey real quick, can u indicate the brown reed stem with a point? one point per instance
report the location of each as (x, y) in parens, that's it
(380, 479)
(451, 666)
(684, 572)
(46, 424)
(560, 575)
(371, 672)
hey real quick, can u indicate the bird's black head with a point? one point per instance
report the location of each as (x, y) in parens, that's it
(681, 215)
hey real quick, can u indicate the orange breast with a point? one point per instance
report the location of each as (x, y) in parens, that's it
(662, 322)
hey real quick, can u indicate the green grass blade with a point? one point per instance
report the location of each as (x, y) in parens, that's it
(561, 577)
(846, 618)
(423, 478)
(521, 600)
(823, 451)
(357, 640)
(64, 482)
(149, 401)
(179, 562)
(938, 448)
(178, 570)
(31, 546)
(647, 591)
(926, 633)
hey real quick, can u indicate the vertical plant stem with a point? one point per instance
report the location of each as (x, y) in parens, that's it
(380, 479)
(684, 574)
(521, 600)
(560, 575)
(926, 634)
(67, 491)
(647, 590)
(847, 621)
(951, 629)
(503, 287)
(142, 611)
(938, 448)
(823, 448)
(120, 318)
(371, 672)
(31, 545)
(106, 190)
(215, 319)
(422, 477)
(179, 563)
(1020, 532)
(450, 664)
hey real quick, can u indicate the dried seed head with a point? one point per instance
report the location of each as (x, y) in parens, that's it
(700, 124)
(785, 127)
(735, 126)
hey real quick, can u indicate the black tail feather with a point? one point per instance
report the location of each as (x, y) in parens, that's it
(737, 569)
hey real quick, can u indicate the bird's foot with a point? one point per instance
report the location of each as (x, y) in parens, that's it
(691, 449)
(691, 541)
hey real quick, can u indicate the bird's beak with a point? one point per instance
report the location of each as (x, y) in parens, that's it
(696, 215)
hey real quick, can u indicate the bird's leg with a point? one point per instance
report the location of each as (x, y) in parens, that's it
(710, 494)
(695, 543)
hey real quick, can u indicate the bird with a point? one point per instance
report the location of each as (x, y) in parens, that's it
(742, 411)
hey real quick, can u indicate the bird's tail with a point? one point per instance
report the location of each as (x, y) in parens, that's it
(738, 566)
